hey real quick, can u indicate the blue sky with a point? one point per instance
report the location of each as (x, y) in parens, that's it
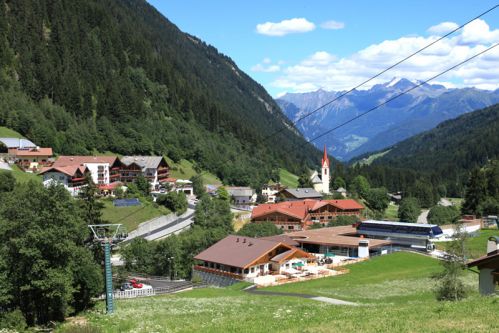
(284, 46)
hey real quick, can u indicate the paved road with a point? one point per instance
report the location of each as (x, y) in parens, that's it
(423, 217)
(253, 290)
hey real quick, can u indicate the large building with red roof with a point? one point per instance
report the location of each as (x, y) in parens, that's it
(104, 169)
(72, 177)
(299, 215)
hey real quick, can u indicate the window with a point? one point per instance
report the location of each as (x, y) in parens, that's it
(291, 227)
(322, 217)
(246, 271)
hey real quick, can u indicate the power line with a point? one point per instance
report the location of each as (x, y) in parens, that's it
(382, 72)
(377, 75)
(420, 83)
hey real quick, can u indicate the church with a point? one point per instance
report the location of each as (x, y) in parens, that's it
(321, 183)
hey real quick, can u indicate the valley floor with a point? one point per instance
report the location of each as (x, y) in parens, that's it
(394, 294)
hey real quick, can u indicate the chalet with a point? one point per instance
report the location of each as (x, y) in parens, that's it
(489, 267)
(32, 159)
(242, 195)
(72, 177)
(154, 168)
(299, 215)
(104, 169)
(339, 241)
(270, 191)
(246, 258)
(297, 194)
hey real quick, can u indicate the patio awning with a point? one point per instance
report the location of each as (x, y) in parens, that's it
(298, 264)
(329, 254)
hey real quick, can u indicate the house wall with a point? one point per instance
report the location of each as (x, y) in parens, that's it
(57, 176)
(282, 221)
(99, 171)
(486, 283)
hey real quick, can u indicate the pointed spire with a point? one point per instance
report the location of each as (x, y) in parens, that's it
(325, 159)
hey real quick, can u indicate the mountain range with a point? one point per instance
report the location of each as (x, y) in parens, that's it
(419, 110)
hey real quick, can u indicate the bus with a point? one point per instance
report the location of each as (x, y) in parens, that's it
(414, 235)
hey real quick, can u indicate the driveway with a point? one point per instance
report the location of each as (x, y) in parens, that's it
(423, 217)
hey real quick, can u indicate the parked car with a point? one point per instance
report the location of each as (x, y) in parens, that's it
(126, 286)
(136, 284)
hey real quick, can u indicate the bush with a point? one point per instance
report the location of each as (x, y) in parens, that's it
(343, 220)
(13, 320)
(409, 210)
(441, 215)
(176, 202)
(259, 230)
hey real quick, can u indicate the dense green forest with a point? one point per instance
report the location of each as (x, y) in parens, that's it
(442, 157)
(115, 75)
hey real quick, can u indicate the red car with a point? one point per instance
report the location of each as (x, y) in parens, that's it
(136, 284)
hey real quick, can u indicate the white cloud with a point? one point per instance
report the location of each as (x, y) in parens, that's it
(294, 25)
(332, 25)
(266, 66)
(265, 69)
(442, 28)
(322, 69)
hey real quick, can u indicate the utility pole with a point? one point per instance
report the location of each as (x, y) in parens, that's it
(108, 235)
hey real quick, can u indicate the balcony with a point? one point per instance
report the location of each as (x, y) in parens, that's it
(217, 272)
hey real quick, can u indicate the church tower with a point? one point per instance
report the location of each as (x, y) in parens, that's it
(325, 172)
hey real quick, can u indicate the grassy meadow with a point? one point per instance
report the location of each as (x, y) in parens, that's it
(393, 292)
(8, 133)
(185, 170)
(288, 179)
(132, 216)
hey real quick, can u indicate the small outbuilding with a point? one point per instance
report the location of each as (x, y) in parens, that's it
(489, 267)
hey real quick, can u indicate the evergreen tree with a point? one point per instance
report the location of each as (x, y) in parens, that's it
(50, 271)
(409, 210)
(259, 230)
(91, 207)
(476, 191)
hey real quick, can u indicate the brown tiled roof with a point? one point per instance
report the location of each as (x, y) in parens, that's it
(79, 160)
(282, 239)
(31, 152)
(334, 236)
(300, 209)
(68, 170)
(238, 251)
(493, 256)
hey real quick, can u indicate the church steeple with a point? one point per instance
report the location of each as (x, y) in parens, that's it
(325, 159)
(325, 172)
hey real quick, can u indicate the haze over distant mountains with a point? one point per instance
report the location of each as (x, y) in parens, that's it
(419, 110)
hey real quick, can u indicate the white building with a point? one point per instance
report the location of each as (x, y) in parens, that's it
(71, 177)
(270, 191)
(104, 169)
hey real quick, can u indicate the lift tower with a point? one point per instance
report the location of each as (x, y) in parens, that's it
(108, 235)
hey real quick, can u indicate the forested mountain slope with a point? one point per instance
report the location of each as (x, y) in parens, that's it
(115, 75)
(450, 150)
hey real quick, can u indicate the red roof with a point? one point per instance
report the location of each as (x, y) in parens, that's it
(109, 187)
(300, 209)
(31, 152)
(325, 158)
(79, 160)
(69, 170)
(168, 180)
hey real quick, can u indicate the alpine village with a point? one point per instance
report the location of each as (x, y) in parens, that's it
(219, 166)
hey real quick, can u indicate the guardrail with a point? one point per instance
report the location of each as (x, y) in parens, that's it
(123, 294)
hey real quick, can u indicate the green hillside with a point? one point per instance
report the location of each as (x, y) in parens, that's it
(8, 133)
(391, 298)
(287, 178)
(452, 148)
(115, 75)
